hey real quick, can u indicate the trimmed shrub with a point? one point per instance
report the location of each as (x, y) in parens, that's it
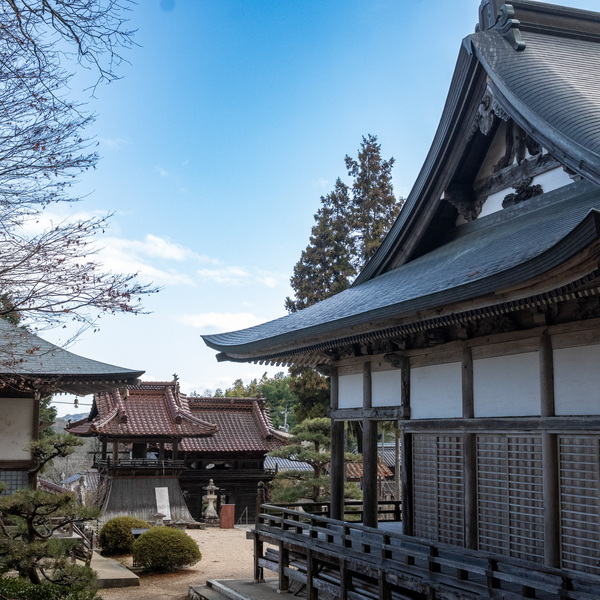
(165, 549)
(18, 589)
(116, 537)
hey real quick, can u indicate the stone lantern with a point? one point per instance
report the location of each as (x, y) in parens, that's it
(210, 515)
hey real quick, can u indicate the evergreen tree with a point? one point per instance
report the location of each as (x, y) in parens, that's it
(349, 227)
(374, 206)
(326, 266)
(310, 444)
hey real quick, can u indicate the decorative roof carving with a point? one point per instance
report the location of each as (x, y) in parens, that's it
(523, 191)
(501, 18)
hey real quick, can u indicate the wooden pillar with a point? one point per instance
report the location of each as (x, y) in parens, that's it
(549, 456)
(470, 452)
(35, 433)
(369, 454)
(284, 563)
(115, 451)
(312, 571)
(337, 454)
(175, 449)
(104, 451)
(161, 451)
(407, 484)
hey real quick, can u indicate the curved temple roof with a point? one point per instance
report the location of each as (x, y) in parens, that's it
(28, 360)
(150, 409)
(544, 73)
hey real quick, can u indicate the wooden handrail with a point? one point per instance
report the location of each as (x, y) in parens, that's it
(361, 548)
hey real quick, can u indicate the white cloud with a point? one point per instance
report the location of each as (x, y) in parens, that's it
(322, 183)
(113, 144)
(216, 322)
(240, 276)
(162, 172)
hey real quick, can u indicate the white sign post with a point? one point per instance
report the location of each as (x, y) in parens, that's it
(162, 502)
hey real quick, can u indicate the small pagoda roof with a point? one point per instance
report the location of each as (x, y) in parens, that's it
(243, 426)
(148, 410)
(29, 362)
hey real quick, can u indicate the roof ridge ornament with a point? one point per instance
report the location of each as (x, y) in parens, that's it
(501, 18)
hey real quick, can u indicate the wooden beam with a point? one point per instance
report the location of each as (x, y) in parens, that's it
(551, 499)
(468, 404)
(370, 495)
(546, 375)
(377, 413)
(407, 483)
(405, 387)
(470, 483)
(549, 456)
(556, 424)
(337, 454)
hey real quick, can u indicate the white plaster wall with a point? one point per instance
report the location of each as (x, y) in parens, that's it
(16, 427)
(577, 380)
(551, 180)
(436, 391)
(385, 386)
(350, 390)
(507, 386)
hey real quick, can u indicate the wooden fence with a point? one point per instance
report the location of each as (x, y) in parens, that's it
(351, 561)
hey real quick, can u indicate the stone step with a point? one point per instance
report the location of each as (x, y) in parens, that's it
(235, 589)
(111, 573)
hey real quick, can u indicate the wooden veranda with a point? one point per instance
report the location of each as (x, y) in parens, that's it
(347, 560)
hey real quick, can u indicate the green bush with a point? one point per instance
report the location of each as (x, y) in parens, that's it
(165, 549)
(116, 537)
(13, 588)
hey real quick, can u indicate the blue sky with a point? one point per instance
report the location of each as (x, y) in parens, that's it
(231, 120)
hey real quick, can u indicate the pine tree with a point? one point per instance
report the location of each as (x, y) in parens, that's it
(374, 206)
(310, 444)
(326, 266)
(349, 227)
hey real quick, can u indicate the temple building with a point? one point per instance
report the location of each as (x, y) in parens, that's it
(31, 369)
(154, 436)
(476, 325)
(144, 425)
(233, 456)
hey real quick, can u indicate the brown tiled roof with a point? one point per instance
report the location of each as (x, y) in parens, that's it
(354, 471)
(154, 409)
(48, 486)
(243, 425)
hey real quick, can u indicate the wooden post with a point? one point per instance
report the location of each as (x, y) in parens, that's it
(407, 484)
(258, 552)
(260, 500)
(258, 543)
(344, 579)
(549, 456)
(35, 433)
(311, 572)
(470, 452)
(115, 451)
(337, 455)
(103, 454)
(369, 455)
(284, 562)
(161, 451)
(175, 449)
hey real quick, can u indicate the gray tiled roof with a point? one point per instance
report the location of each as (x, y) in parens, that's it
(494, 251)
(554, 85)
(27, 356)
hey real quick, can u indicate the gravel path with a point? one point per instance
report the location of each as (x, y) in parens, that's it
(226, 554)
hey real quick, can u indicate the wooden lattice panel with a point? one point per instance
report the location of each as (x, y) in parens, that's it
(438, 488)
(580, 503)
(510, 495)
